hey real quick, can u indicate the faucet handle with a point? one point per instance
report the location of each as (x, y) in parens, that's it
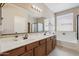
(26, 36)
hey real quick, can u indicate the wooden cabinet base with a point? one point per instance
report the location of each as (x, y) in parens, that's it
(40, 51)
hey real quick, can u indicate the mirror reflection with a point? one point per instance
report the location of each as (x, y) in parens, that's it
(40, 25)
(18, 19)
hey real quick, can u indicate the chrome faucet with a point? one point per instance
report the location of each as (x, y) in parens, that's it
(26, 36)
(45, 33)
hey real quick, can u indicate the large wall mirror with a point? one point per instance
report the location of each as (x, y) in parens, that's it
(17, 20)
(20, 24)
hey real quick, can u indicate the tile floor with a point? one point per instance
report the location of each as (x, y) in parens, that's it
(62, 51)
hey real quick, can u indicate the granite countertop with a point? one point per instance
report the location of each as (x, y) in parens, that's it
(9, 43)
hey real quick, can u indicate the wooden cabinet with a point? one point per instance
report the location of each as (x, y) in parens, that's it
(28, 53)
(49, 45)
(40, 51)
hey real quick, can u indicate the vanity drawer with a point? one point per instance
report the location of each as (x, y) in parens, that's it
(17, 51)
(32, 45)
(43, 41)
(28, 53)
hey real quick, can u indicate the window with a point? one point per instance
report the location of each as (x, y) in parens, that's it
(65, 22)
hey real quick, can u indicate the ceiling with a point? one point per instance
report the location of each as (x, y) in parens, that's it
(57, 7)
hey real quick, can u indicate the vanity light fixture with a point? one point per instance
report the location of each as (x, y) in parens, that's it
(36, 8)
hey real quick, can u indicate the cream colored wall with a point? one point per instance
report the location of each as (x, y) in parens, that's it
(44, 13)
(9, 11)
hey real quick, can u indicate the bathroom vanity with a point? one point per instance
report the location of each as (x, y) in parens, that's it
(41, 45)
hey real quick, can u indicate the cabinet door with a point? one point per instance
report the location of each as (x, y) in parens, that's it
(40, 51)
(28, 53)
(54, 43)
(49, 45)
